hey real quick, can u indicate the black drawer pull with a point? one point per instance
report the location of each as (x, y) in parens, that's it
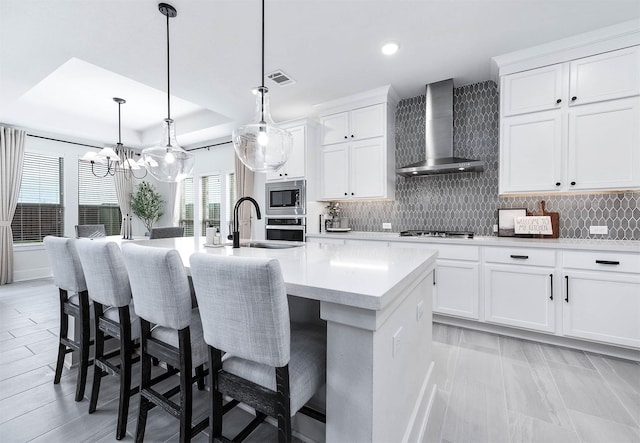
(566, 277)
(551, 284)
(519, 257)
(607, 262)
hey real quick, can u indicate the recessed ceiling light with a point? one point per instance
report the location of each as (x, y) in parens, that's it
(390, 48)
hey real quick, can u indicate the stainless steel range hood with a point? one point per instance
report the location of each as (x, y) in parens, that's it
(439, 136)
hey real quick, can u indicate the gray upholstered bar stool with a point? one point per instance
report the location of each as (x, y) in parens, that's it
(74, 302)
(162, 296)
(167, 232)
(269, 365)
(90, 231)
(114, 316)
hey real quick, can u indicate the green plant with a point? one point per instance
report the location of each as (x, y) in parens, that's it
(147, 204)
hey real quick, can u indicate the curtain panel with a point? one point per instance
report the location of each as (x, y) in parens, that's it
(124, 189)
(11, 161)
(244, 188)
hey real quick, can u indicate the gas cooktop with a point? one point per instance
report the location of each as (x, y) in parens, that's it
(435, 233)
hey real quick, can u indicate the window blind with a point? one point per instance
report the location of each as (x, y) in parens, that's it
(40, 209)
(211, 200)
(97, 198)
(231, 198)
(187, 206)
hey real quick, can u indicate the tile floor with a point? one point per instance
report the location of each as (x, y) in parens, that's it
(490, 388)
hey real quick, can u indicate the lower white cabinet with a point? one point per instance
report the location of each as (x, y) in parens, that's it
(520, 296)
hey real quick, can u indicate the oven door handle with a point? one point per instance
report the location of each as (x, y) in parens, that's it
(286, 227)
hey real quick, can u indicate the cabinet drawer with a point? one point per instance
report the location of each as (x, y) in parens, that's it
(454, 252)
(602, 261)
(521, 256)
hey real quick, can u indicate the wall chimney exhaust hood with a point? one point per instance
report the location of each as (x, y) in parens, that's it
(439, 136)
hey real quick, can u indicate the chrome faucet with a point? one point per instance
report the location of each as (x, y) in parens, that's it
(236, 223)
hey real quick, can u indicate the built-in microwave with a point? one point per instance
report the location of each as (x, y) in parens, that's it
(285, 198)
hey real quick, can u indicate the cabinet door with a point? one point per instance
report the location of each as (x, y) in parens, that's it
(456, 288)
(532, 91)
(335, 128)
(531, 153)
(334, 167)
(607, 76)
(520, 296)
(367, 168)
(602, 306)
(367, 122)
(294, 167)
(604, 145)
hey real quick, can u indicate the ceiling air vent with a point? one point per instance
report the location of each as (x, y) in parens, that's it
(280, 78)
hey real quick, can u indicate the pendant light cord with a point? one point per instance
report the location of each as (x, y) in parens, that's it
(168, 74)
(119, 127)
(262, 91)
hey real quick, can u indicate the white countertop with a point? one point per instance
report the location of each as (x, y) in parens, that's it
(363, 276)
(550, 243)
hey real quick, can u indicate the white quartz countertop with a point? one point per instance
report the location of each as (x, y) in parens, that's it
(363, 276)
(549, 243)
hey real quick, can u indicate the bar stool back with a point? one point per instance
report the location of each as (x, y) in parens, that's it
(114, 316)
(74, 302)
(162, 296)
(268, 365)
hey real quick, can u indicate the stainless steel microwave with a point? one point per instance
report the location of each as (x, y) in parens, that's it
(286, 198)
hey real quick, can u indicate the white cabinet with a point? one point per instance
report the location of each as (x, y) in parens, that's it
(601, 299)
(519, 288)
(572, 126)
(357, 157)
(456, 278)
(294, 168)
(356, 124)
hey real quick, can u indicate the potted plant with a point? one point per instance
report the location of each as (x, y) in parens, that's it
(147, 204)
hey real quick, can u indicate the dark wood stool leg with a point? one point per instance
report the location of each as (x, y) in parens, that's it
(186, 393)
(98, 310)
(145, 379)
(215, 397)
(126, 349)
(283, 406)
(84, 342)
(200, 377)
(64, 332)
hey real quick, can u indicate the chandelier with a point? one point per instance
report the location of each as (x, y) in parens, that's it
(116, 161)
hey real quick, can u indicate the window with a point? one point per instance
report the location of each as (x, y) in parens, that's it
(40, 209)
(186, 207)
(231, 198)
(211, 199)
(97, 198)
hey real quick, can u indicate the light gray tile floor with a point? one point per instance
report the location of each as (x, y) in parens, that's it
(490, 388)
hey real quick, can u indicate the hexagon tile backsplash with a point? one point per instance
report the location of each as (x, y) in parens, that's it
(469, 200)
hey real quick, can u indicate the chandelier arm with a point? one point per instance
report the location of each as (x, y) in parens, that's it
(94, 172)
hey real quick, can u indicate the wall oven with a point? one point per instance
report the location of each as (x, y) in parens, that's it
(285, 228)
(285, 198)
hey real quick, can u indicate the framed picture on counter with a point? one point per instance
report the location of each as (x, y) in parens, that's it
(506, 224)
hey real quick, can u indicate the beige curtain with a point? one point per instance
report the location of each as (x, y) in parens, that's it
(173, 203)
(244, 188)
(11, 160)
(124, 189)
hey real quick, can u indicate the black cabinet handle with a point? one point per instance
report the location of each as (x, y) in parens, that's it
(434, 277)
(566, 278)
(551, 285)
(280, 175)
(559, 101)
(574, 98)
(519, 257)
(573, 183)
(558, 183)
(345, 193)
(352, 135)
(285, 174)
(346, 137)
(352, 193)
(607, 262)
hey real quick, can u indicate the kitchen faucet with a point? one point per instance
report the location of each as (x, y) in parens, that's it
(236, 223)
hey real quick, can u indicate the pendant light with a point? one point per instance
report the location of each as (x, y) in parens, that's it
(167, 161)
(262, 146)
(114, 164)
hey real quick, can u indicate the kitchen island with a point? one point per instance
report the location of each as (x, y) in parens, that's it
(377, 306)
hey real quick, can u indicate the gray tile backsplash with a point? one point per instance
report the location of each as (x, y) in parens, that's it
(469, 201)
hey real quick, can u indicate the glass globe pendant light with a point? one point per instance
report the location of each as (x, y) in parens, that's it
(262, 146)
(167, 161)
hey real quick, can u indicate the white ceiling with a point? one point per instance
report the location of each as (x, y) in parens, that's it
(62, 61)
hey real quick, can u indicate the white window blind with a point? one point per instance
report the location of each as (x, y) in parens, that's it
(211, 200)
(187, 206)
(40, 210)
(97, 198)
(231, 198)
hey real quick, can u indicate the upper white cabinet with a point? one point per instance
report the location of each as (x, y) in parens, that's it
(294, 168)
(357, 156)
(572, 126)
